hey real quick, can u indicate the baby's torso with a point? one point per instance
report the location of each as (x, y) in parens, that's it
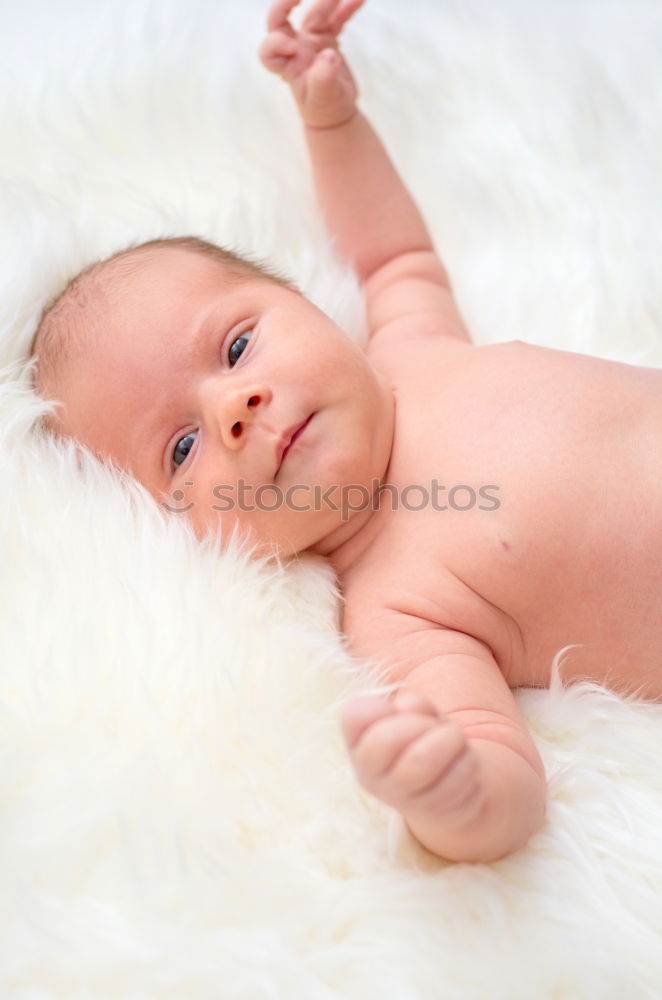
(528, 491)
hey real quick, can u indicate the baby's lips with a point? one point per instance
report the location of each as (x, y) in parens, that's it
(288, 438)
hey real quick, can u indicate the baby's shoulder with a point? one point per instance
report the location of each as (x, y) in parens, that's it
(422, 351)
(414, 338)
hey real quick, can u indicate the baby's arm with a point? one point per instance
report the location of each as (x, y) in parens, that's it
(449, 749)
(375, 222)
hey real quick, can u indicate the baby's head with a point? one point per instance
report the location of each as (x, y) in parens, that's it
(224, 391)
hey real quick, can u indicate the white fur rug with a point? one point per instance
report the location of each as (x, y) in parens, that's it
(178, 819)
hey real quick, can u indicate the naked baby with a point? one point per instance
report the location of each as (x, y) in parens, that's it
(202, 374)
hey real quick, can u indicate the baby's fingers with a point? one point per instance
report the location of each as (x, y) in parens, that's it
(329, 16)
(343, 14)
(430, 767)
(363, 710)
(279, 12)
(382, 744)
(276, 50)
(360, 712)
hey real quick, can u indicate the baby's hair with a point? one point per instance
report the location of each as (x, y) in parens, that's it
(66, 322)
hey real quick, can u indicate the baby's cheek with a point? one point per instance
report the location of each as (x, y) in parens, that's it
(190, 504)
(345, 465)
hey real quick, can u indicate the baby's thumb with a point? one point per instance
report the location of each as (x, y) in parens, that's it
(321, 73)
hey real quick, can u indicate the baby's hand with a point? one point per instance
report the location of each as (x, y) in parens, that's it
(410, 756)
(310, 62)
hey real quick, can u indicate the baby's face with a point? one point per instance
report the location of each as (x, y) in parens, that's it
(196, 383)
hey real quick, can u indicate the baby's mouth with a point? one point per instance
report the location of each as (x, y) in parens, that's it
(288, 438)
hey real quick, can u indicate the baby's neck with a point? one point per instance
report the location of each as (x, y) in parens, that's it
(346, 545)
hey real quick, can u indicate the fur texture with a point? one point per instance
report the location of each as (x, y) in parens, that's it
(178, 815)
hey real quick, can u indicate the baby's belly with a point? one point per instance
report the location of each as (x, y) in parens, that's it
(602, 638)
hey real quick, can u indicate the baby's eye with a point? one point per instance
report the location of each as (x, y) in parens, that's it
(183, 447)
(237, 347)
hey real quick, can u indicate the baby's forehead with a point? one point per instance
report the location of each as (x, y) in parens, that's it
(163, 289)
(158, 272)
(105, 280)
(96, 303)
(77, 314)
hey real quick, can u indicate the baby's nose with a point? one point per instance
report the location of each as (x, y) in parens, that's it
(237, 428)
(236, 409)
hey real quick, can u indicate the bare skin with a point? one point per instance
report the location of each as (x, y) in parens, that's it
(204, 424)
(545, 462)
(464, 605)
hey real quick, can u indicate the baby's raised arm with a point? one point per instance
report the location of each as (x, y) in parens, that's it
(375, 222)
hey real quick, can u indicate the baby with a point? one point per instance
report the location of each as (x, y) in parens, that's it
(484, 507)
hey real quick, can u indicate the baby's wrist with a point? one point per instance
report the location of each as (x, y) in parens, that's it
(319, 123)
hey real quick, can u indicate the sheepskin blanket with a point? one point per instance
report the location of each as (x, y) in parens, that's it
(178, 817)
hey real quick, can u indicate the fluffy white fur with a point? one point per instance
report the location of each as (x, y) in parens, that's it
(178, 815)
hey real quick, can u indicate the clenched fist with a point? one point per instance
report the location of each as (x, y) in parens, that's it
(411, 756)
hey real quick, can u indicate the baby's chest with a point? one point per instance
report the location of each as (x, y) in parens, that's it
(454, 422)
